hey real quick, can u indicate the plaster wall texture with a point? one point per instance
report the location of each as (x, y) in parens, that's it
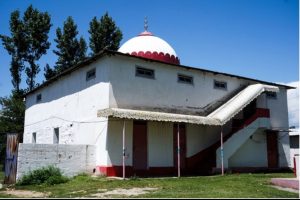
(71, 159)
(253, 153)
(233, 144)
(164, 92)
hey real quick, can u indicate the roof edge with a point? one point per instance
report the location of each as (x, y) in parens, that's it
(105, 52)
(83, 63)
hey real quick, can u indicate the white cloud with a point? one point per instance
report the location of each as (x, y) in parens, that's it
(293, 104)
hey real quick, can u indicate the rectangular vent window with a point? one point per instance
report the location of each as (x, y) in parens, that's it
(33, 138)
(143, 72)
(271, 95)
(38, 97)
(91, 74)
(185, 79)
(220, 85)
(56, 136)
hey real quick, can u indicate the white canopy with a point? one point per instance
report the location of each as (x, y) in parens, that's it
(229, 109)
(219, 117)
(155, 116)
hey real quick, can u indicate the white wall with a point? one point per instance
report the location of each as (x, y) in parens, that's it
(160, 144)
(114, 142)
(253, 153)
(71, 104)
(200, 137)
(164, 92)
(71, 159)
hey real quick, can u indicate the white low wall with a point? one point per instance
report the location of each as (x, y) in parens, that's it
(71, 159)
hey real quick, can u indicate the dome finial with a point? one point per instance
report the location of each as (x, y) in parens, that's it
(146, 24)
(146, 32)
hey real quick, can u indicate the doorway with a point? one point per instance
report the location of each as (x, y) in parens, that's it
(272, 149)
(140, 154)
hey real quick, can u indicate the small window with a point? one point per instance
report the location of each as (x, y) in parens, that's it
(38, 97)
(271, 95)
(143, 72)
(91, 74)
(220, 85)
(185, 79)
(33, 138)
(56, 136)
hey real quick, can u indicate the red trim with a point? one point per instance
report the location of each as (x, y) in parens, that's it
(158, 56)
(152, 171)
(115, 170)
(260, 113)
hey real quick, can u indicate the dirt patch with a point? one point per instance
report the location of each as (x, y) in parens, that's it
(25, 193)
(123, 192)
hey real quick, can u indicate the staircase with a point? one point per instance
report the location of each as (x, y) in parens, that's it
(203, 162)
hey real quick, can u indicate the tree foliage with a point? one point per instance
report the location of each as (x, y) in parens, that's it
(12, 113)
(37, 26)
(16, 47)
(49, 72)
(70, 50)
(27, 43)
(104, 34)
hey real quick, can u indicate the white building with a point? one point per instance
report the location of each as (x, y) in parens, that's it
(143, 92)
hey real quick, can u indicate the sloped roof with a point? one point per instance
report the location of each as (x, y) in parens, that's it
(103, 53)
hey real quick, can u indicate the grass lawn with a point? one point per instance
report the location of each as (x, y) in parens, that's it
(229, 186)
(2, 174)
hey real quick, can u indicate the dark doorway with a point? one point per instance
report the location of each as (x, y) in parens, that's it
(250, 109)
(182, 137)
(140, 158)
(272, 149)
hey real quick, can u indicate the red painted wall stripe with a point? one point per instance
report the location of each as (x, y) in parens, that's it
(158, 56)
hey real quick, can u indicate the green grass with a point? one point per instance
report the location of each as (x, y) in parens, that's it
(2, 174)
(228, 186)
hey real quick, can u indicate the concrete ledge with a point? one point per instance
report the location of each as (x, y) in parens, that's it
(286, 182)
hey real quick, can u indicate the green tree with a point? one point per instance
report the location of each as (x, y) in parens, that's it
(36, 25)
(16, 47)
(12, 113)
(70, 50)
(49, 72)
(104, 34)
(27, 43)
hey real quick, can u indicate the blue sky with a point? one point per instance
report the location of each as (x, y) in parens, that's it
(252, 38)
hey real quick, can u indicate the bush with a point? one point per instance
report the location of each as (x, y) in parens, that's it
(49, 175)
(53, 180)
